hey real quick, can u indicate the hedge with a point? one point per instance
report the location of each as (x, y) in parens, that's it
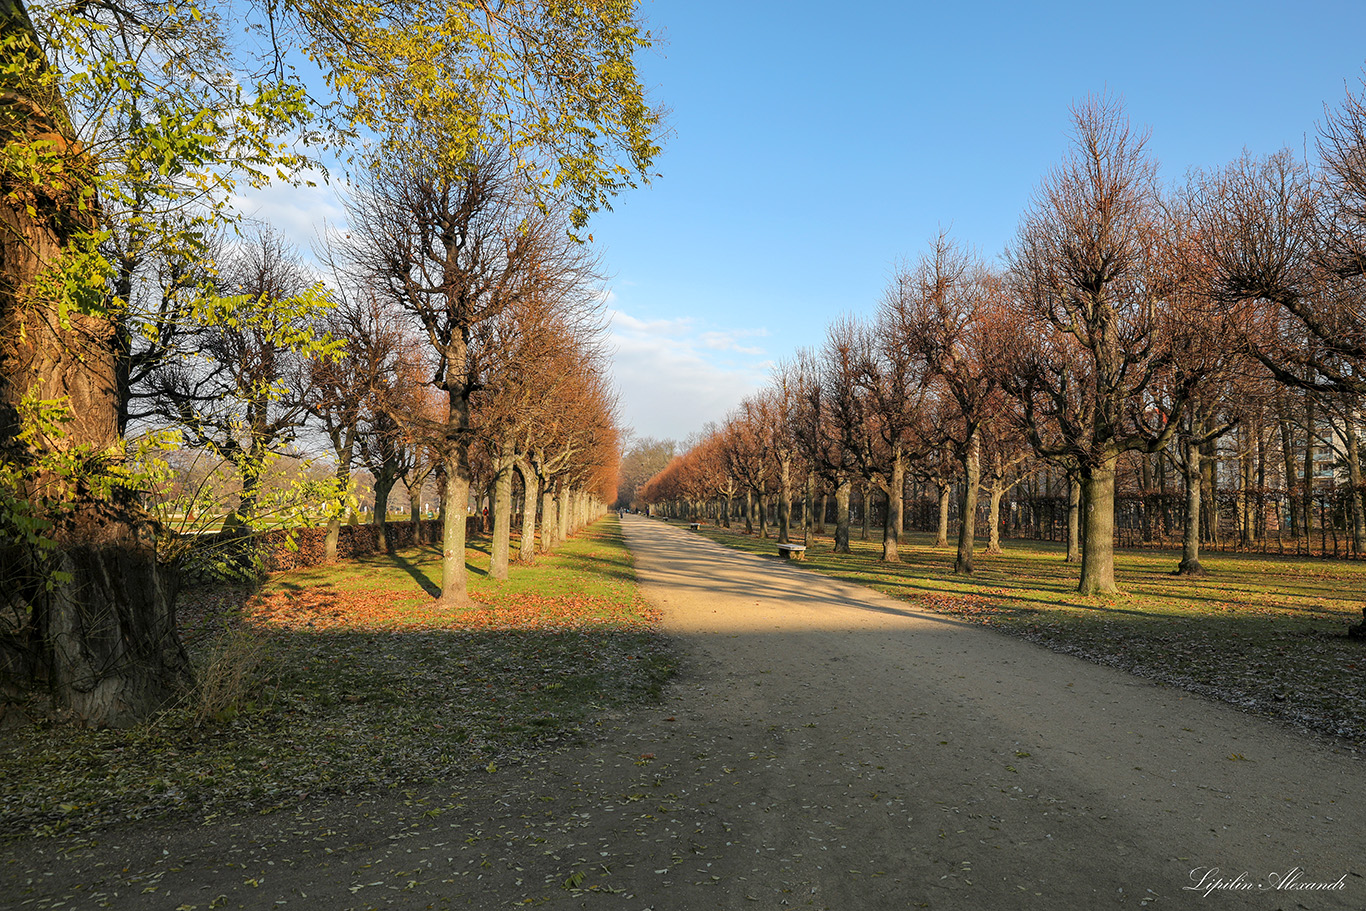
(274, 553)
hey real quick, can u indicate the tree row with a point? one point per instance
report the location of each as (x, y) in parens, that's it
(1212, 331)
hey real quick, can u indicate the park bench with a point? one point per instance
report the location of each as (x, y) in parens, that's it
(792, 551)
(695, 525)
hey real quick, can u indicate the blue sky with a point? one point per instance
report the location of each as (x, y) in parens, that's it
(811, 151)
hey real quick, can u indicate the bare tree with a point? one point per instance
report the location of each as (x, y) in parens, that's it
(891, 380)
(456, 250)
(345, 394)
(1084, 265)
(241, 394)
(942, 314)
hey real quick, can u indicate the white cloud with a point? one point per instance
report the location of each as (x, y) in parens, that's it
(675, 376)
(299, 213)
(729, 341)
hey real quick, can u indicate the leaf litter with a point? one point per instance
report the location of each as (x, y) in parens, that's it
(357, 691)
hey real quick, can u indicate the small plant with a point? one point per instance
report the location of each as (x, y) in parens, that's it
(233, 677)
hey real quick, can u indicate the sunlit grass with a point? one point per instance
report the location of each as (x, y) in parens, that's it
(1265, 633)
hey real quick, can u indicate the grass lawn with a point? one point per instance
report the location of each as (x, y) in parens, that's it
(344, 679)
(1265, 633)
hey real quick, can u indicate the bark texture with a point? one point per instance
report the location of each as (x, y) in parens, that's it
(1098, 556)
(967, 521)
(92, 618)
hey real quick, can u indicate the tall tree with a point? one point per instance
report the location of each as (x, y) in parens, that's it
(1084, 265)
(550, 340)
(843, 415)
(892, 380)
(944, 313)
(457, 252)
(179, 113)
(642, 460)
(242, 394)
(342, 390)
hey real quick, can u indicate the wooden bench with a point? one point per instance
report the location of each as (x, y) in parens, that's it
(792, 551)
(694, 525)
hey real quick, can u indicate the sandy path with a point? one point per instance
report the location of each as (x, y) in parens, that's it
(824, 747)
(1005, 775)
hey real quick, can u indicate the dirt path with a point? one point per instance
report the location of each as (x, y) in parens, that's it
(824, 747)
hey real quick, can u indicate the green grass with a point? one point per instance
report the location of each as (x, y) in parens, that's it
(353, 683)
(1264, 633)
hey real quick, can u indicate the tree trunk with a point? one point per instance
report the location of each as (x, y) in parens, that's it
(415, 514)
(563, 531)
(994, 516)
(1190, 537)
(1073, 518)
(763, 514)
(749, 511)
(808, 526)
(415, 484)
(967, 521)
(842, 516)
(501, 545)
(941, 538)
(531, 492)
(1288, 464)
(384, 484)
(1261, 484)
(1356, 496)
(104, 635)
(247, 462)
(1146, 492)
(549, 520)
(784, 500)
(1308, 506)
(344, 452)
(867, 505)
(891, 526)
(1209, 502)
(1098, 536)
(454, 584)
(113, 653)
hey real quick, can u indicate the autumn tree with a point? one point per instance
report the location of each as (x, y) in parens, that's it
(842, 423)
(1005, 465)
(241, 395)
(642, 460)
(180, 113)
(1202, 366)
(943, 314)
(712, 472)
(774, 413)
(1290, 241)
(747, 460)
(549, 339)
(151, 91)
(342, 390)
(891, 381)
(571, 441)
(457, 252)
(1084, 266)
(824, 439)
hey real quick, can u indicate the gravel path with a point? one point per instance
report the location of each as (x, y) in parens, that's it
(825, 746)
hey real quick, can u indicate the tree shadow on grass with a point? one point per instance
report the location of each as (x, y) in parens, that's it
(418, 576)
